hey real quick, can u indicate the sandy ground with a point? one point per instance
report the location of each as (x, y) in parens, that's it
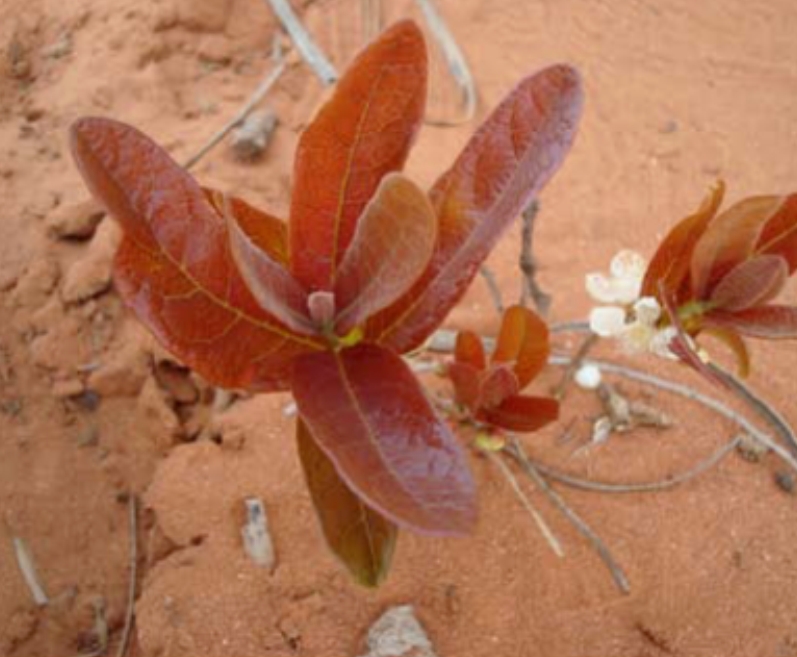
(678, 93)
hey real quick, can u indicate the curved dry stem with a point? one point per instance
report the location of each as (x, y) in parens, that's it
(688, 393)
(515, 449)
(764, 410)
(642, 487)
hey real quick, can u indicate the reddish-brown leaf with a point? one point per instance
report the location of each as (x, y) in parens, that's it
(773, 321)
(779, 236)
(174, 267)
(361, 538)
(523, 342)
(391, 248)
(682, 344)
(498, 383)
(470, 350)
(275, 289)
(467, 384)
(669, 267)
(368, 414)
(361, 134)
(522, 413)
(503, 167)
(735, 343)
(751, 283)
(266, 231)
(729, 240)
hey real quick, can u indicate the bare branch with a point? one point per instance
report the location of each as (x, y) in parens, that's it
(528, 265)
(307, 48)
(263, 88)
(515, 449)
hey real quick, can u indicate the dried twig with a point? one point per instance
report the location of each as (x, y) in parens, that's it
(263, 88)
(689, 393)
(642, 487)
(308, 49)
(543, 526)
(492, 286)
(759, 405)
(28, 570)
(515, 450)
(455, 61)
(132, 508)
(575, 363)
(528, 265)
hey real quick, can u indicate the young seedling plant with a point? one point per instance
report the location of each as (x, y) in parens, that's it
(366, 268)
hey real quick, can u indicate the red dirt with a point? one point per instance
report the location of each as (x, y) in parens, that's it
(678, 93)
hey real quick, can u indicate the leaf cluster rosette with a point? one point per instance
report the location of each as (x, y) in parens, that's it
(491, 389)
(719, 273)
(366, 268)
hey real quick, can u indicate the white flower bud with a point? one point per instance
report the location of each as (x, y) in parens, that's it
(588, 377)
(648, 311)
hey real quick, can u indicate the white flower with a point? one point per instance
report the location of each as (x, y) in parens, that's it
(630, 319)
(607, 321)
(624, 282)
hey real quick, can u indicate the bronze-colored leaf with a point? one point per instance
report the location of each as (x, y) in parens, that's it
(361, 134)
(751, 283)
(391, 248)
(359, 536)
(728, 241)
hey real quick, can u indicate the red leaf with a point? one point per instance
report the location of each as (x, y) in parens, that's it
(728, 241)
(361, 538)
(470, 350)
(467, 384)
(390, 250)
(522, 413)
(779, 236)
(268, 280)
(682, 345)
(266, 231)
(367, 412)
(498, 383)
(669, 267)
(773, 322)
(751, 283)
(523, 342)
(174, 267)
(503, 167)
(361, 134)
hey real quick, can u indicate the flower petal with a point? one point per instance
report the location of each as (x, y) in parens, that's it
(607, 321)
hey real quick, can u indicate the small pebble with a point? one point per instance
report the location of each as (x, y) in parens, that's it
(785, 481)
(250, 141)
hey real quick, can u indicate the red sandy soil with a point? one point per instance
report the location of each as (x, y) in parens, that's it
(678, 93)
